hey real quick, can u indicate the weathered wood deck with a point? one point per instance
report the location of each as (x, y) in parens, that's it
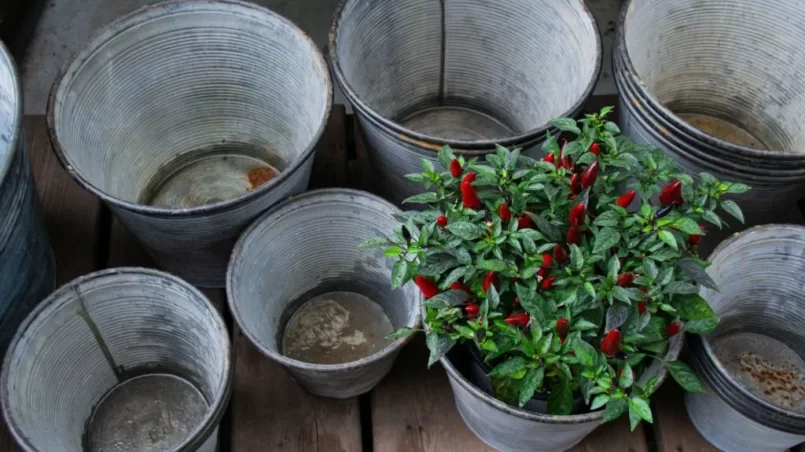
(411, 410)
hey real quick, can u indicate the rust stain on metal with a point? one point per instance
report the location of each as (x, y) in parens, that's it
(783, 384)
(260, 175)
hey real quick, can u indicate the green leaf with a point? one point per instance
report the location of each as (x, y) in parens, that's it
(445, 156)
(641, 407)
(680, 287)
(438, 345)
(583, 325)
(416, 177)
(687, 225)
(606, 239)
(697, 273)
(622, 294)
(613, 267)
(668, 238)
(512, 367)
(453, 276)
(546, 227)
(599, 401)
(576, 258)
(566, 125)
(684, 376)
(701, 326)
(693, 307)
(375, 242)
(585, 352)
(493, 297)
(610, 218)
(484, 170)
(665, 276)
(399, 273)
(560, 400)
(626, 379)
(612, 128)
(494, 265)
(448, 299)
(463, 256)
(466, 231)
(427, 165)
(588, 286)
(616, 315)
(736, 188)
(732, 208)
(650, 268)
(531, 382)
(422, 198)
(400, 333)
(711, 217)
(615, 408)
(394, 251)
(545, 344)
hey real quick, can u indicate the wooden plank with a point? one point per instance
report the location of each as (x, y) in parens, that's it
(673, 430)
(271, 412)
(361, 175)
(330, 165)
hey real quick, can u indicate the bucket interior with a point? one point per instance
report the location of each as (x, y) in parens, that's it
(186, 104)
(108, 349)
(761, 304)
(732, 69)
(9, 112)
(468, 69)
(308, 248)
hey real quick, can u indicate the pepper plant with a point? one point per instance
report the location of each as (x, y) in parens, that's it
(569, 274)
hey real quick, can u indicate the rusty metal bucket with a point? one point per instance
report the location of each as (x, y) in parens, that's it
(730, 107)
(468, 73)
(752, 364)
(27, 270)
(179, 114)
(123, 359)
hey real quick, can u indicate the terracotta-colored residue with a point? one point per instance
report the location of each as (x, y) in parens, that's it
(260, 175)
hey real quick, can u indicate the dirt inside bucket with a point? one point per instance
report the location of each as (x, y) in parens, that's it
(723, 130)
(456, 123)
(336, 328)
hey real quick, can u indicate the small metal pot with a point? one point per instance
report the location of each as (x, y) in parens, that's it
(751, 364)
(471, 74)
(167, 113)
(306, 246)
(27, 269)
(70, 374)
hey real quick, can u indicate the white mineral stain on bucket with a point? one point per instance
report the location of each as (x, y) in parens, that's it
(457, 123)
(154, 412)
(722, 130)
(336, 328)
(766, 367)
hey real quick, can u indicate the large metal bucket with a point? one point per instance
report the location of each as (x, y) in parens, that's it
(468, 73)
(126, 356)
(751, 404)
(27, 270)
(169, 111)
(310, 245)
(729, 107)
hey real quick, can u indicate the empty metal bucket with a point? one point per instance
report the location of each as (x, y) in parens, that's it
(27, 270)
(729, 107)
(307, 246)
(123, 359)
(177, 114)
(468, 73)
(752, 364)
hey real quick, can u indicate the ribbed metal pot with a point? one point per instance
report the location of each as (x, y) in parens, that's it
(762, 309)
(310, 245)
(468, 73)
(100, 332)
(27, 270)
(510, 429)
(736, 82)
(167, 111)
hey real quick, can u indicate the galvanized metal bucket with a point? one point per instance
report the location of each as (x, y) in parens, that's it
(511, 429)
(309, 245)
(27, 270)
(65, 372)
(175, 114)
(467, 73)
(730, 107)
(752, 364)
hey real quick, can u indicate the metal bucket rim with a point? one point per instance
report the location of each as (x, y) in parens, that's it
(433, 142)
(631, 71)
(223, 392)
(16, 124)
(139, 17)
(706, 351)
(280, 210)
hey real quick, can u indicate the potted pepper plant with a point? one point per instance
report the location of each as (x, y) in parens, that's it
(569, 278)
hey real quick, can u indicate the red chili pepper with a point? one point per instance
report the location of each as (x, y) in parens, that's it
(548, 158)
(562, 327)
(673, 329)
(567, 162)
(441, 221)
(574, 235)
(491, 279)
(575, 183)
(520, 319)
(672, 194)
(547, 283)
(595, 148)
(455, 168)
(516, 302)
(641, 307)
(696, 238)
(459, 286)
(625, 279)
(546, 260)
(589, 175)
(576, 215)
(562, 340)
(611, 344)
(525, 222)
(429, 288)
(559, 254)
(626, 199)
(504, 212)
(469, 197)
(472, 309)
